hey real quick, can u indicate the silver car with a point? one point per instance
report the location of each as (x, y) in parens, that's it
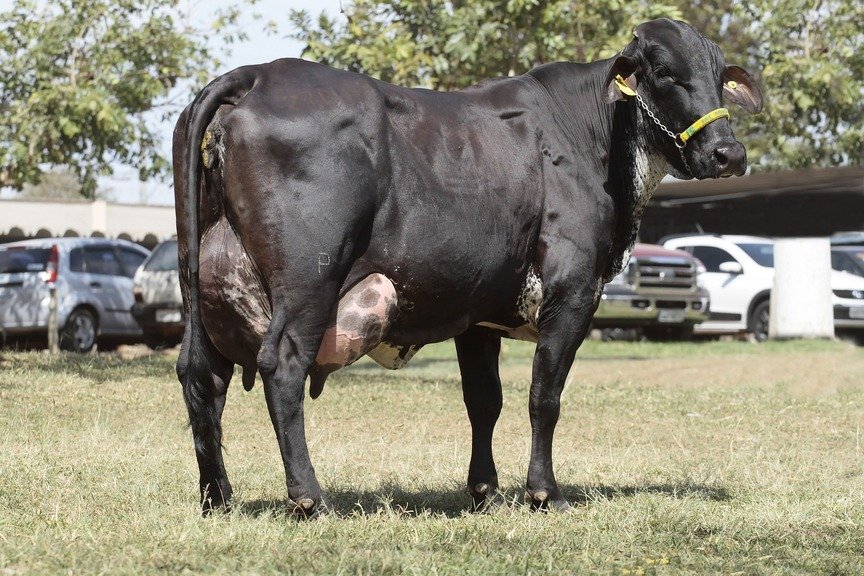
(93, 277)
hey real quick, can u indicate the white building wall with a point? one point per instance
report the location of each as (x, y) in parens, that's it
(85, 219)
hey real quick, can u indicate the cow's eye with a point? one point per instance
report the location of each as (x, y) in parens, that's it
(662, 73)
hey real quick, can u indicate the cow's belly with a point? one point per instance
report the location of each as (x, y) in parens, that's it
(236, 313)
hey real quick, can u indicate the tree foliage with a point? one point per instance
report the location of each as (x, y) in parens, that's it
(807, 54)
(84, 85)
(446, 44)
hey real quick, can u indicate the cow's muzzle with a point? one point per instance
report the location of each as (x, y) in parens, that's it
(730, 159)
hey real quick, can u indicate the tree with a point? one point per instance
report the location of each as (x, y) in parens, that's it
(53, 185)
(446, 44)
(84, 85)
(807, 54)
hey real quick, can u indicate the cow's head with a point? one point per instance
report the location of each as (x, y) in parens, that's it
(681, 77)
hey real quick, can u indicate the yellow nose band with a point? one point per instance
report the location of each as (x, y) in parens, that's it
(702, 123)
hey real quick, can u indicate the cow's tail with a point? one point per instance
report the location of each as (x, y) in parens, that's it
(196, 365)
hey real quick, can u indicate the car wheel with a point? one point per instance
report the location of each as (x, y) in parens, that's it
(759, 321)
(79, 333)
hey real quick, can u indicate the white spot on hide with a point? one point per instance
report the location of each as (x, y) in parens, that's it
(392, 357)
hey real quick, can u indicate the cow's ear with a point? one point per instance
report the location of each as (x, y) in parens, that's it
(740, 87)
(623, 68)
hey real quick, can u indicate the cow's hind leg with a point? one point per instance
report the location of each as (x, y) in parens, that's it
(287, 353)
(204, 375)
(477, 350)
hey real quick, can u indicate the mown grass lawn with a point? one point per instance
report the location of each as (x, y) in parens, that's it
(713, 458)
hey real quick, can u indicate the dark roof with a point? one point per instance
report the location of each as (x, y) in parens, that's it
(831, 180)
(818, 202)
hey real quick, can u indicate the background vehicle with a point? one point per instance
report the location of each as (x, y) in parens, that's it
(739, 275)
(93, 277)
(657, 293)
(849, 259)
(158, 305)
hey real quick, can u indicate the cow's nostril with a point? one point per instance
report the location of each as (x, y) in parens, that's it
(731, 159)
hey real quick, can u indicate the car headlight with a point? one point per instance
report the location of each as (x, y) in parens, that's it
(850, 294)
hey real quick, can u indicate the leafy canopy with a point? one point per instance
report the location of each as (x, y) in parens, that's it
(806, 53)
(85, 85)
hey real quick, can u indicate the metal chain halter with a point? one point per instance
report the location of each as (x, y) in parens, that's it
(679, 139)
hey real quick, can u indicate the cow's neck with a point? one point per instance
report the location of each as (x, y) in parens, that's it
(610, 137)
(634, 171)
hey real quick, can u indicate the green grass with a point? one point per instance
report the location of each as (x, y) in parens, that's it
(722, 457)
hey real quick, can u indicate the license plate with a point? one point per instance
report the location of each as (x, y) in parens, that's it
(671, 316)
(168, 316)
(857, 313)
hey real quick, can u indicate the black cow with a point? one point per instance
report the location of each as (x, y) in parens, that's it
(339, 216)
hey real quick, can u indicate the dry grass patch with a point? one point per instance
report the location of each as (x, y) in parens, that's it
(686, 458)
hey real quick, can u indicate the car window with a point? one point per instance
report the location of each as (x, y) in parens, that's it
(163, 259)
(101, 260)
(132, 259)
(76, 260)
(16, 259)
(712, 257)
(858, 257)
(844, 263)
(761, 253)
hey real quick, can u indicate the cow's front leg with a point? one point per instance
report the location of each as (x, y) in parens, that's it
(564, 323)
(477, 350)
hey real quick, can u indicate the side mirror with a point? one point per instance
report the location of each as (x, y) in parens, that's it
(731, 268)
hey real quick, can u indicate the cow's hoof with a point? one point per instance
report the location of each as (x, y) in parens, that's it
(307, 507)
(486, 498)
(542, 501)
(216, 497)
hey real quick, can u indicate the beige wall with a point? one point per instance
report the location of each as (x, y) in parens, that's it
(85, 219)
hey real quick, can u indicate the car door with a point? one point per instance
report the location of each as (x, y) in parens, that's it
(730, 292)
(105, 279)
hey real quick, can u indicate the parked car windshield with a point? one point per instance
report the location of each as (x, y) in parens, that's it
(762, 254)
(851, 261)
(14, 259)
(164, 258)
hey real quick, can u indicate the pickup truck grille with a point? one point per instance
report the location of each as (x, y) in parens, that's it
(666, 274)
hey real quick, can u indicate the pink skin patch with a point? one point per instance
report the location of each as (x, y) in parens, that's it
(361, 321)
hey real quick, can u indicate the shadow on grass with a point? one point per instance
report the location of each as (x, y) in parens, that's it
(392, 498)
(387, 499)
(583, 495)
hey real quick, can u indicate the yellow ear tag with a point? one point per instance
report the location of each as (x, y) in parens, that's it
(623, 87)
(732, 85)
